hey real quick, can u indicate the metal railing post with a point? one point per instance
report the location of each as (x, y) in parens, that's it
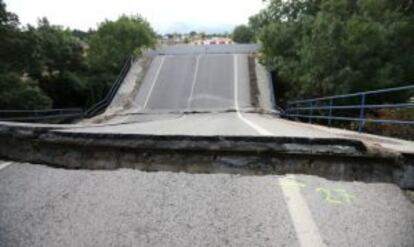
(330, 112)
(362, 113)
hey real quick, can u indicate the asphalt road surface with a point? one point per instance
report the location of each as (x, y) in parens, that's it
(200, 82)
(43, 206)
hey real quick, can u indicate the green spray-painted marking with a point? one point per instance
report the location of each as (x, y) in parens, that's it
(331, 196)
(336, 196)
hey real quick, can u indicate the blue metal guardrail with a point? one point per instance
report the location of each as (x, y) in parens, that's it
(326, 106)
(68, 113)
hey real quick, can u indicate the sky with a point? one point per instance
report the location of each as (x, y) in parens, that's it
(165, 16)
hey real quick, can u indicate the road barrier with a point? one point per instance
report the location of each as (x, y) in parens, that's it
(325, 107)
(59, 115)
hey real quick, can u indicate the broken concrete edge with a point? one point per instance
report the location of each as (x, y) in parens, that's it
(332, 158)
(254, 144)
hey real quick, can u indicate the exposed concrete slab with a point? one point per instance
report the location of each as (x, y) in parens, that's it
(291, 147)
(223, 124)
(334, 158)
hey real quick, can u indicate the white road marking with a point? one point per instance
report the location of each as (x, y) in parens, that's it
(259, 129)
(4, 165)
(305, 226)
(154, 81)
(194, 82)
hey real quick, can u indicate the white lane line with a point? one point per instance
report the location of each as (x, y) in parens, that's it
(303, 222)
(305, 226)
(154, 81)
(194, 82)
(4, 165)
(259, 129)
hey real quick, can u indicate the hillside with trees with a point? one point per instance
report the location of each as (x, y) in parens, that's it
(49, 66)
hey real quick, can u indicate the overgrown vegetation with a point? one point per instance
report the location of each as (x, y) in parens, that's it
(327, 47)
(50, 66)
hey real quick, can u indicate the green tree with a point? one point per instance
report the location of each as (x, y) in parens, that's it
(243, 34)
(60, 50)
(49, 65)
(112, 43)
(16, 47)
(323, 47)
(17, 53)
(60, 65)
(115, 40)
(17, 93)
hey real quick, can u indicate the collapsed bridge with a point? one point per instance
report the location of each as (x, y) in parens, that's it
(206, 108)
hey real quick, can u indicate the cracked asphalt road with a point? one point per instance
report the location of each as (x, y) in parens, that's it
(43, 206)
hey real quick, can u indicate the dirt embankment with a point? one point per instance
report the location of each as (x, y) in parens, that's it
(261, 87)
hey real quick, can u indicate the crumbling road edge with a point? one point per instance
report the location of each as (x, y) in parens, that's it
(341, 159)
